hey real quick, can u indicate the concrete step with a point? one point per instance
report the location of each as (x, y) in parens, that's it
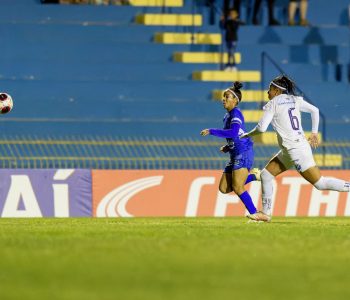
(204, 57)
(247, 95)
(155, 3)
(212, 75)
(187, 38)
(169, 19)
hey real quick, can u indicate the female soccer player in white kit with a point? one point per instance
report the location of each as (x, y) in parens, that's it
(283, 112)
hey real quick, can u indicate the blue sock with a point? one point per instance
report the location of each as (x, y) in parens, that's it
(248, 202)
(251, 177)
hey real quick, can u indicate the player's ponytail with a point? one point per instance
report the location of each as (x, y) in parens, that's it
(236, 90)
(285, 84)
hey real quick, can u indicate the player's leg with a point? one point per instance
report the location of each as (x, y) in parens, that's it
(277, 165)
(225, 185)
(240, 172)
(320, 182)
(239, 177)
(309, 170)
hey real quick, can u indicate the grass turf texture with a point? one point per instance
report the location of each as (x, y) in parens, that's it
(174, 258)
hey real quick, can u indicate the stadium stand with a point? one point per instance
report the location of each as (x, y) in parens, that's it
(131, 86)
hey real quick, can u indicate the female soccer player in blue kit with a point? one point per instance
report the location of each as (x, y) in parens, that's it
(236, 173)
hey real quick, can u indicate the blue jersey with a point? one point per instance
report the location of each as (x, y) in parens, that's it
(236, 144)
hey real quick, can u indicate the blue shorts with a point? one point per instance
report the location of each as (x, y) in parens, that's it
(239, 161)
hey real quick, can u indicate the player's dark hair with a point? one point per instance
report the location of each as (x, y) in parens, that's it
(236, 88)
(285, 82)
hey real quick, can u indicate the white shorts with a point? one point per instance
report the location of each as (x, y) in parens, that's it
(301, 158)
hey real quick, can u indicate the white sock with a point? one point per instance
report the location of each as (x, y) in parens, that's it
(333, 184)
(267, 191)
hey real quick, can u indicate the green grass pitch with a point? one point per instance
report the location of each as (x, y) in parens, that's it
(174, 258)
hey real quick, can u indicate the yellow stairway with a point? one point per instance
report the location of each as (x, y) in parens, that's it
(169, 19)
(247, 95)
(187, 38)
(252, 116)
(208, 75)
(157, 3)
(329, 160)
(204, 57)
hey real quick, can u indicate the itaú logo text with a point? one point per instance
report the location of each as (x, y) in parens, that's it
(114, 203)
(22, 192)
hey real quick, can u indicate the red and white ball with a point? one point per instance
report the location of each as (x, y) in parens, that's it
(6, 103)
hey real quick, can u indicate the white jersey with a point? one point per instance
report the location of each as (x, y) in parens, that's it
(283, 112)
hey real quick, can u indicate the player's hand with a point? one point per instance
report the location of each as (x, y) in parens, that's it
(313, 140)
(204, 132)
(225, 149)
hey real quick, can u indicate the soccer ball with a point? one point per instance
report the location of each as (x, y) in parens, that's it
(6, 103)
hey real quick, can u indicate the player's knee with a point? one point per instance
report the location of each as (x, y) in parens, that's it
(266, 175)
(238, 189)
(320, 184)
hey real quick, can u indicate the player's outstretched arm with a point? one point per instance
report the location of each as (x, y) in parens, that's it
(222, 133)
